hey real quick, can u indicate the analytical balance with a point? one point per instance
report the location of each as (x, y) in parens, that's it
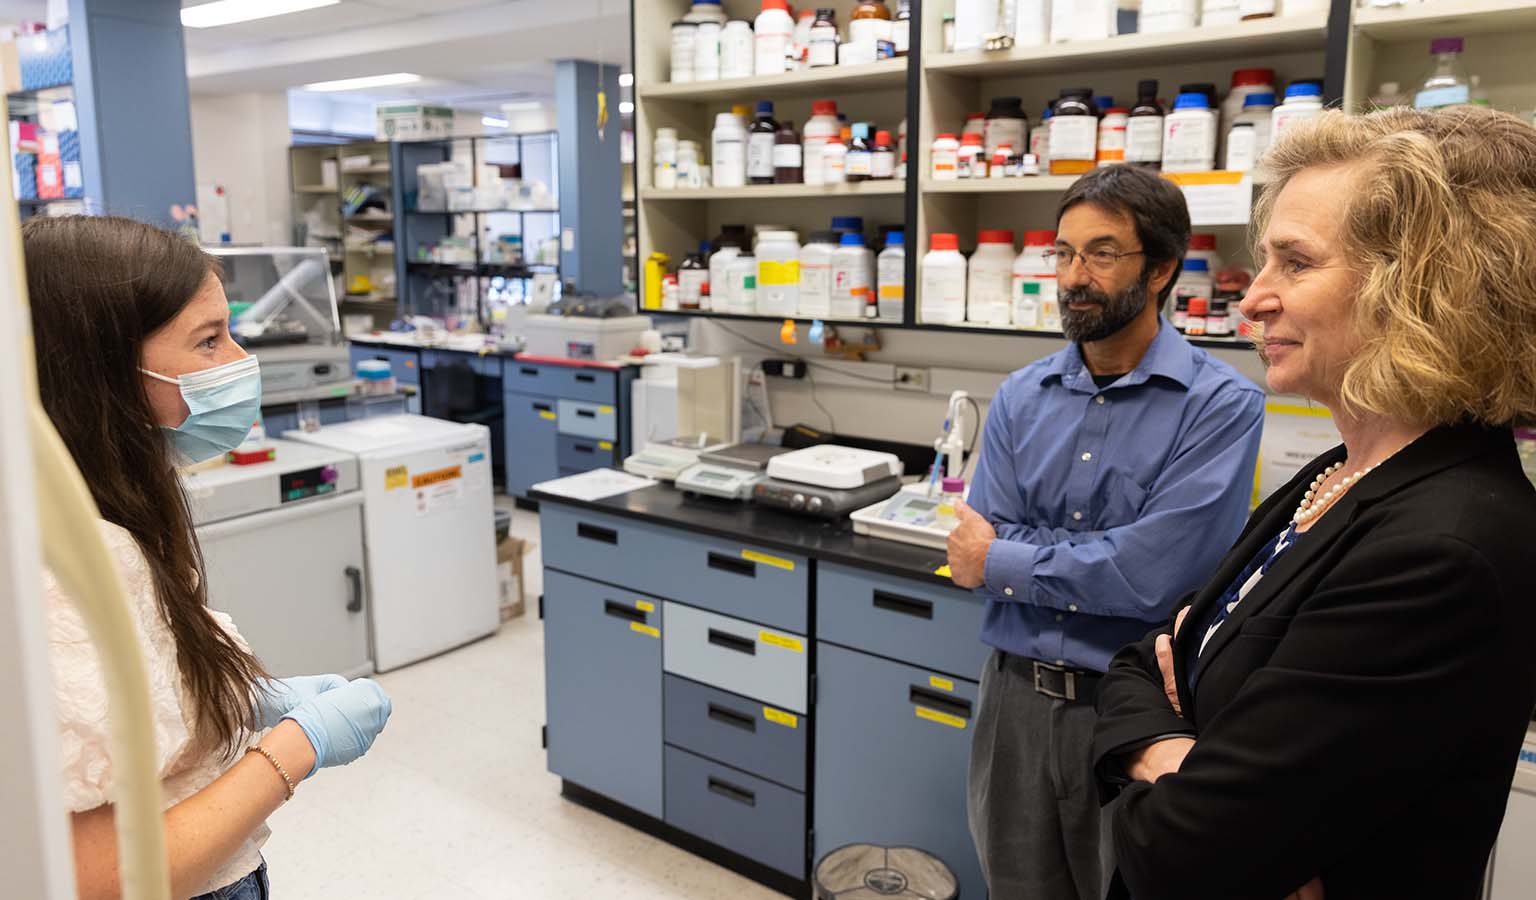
(665, 460)
(730, 473)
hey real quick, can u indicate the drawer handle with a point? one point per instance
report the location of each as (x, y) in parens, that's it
(529, 371)
(586, 379)
(597, 533)
(733, 565)
(907, 606)
(955, 706)
(355, 579)
(732, 718)
(620, 611)
(584, 448)
(732, 792)
(543, 407)
(732, 642)
(586, 413)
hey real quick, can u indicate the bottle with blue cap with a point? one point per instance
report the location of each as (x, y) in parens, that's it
(1248, 137)
(853, 278)
(1303, 100)
(1189, 135)
(891, 277)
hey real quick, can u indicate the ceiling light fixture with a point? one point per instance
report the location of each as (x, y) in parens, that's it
(369, 81)
(626, 108)
(493, 122)
(229, 12)
(626, 79)
(521, 105)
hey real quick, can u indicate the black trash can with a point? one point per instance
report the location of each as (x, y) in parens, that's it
(870, 872)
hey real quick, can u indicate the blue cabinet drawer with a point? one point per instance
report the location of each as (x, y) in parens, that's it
(405, 364)
(571, 382)
(741, 657)
(738, 731)
(929, 625)
(892, 746)
(602, 665)
(756, 818)
(487, 365)
(531, 455)
(591, 420)
(582, 454)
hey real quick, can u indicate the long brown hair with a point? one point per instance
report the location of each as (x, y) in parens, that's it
(100, 286)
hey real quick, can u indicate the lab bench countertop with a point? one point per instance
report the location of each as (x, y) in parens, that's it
(408, 342)
(736, 520)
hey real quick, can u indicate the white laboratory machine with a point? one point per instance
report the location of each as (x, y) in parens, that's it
(429, 524)
(283, 552)
(729, 473)
(828, 481)
(922, 513)
(682, 406)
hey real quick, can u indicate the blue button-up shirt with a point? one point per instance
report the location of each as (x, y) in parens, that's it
(1110, 504)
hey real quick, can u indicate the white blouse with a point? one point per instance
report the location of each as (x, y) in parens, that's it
(81, 701)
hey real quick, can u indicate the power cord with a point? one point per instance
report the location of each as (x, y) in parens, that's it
(779, 352)
(810, 379)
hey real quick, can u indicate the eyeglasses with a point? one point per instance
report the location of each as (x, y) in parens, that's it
(1101, 261)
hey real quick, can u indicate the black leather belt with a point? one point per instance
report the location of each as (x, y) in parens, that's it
(1056, 682)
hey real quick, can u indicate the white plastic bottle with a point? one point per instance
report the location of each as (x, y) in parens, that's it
(737, 52)
(1203, 246)
(742, 296)
(801, 52)
(1032, 23)
(684, 45)
(721, 295)
(705, 11)
(989, 277)
(834, 160)
(853, 277)
(706, 52)
(1220, 12)
(1303, 100)
(778, 273)
(891, 277)
(946, 158)
(942, 301)
(816, 275)
(1189, 135)
(1168, 15)
(819, 128)
(728, 151)
(664, 154)
(1258, 117)
(774, 34)
(1034, 280)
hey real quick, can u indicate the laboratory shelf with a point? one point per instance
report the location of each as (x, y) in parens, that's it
(1219, 342)
(487, 270)
(1446, 18)
(314, 189)
(378, 169)
(884, 74)
(886, 187)
(478, 212)
(752, 317)
(1027, 184)
(1281, 34)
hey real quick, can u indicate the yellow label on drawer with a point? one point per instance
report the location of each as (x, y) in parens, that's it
(605, 445)
(645, 606)
(942, 571)
(605, 410)
(892, 291)
(645, 629)
(396, 477)
(773, 273)
(779, 717)
(779, 640)
(943, 684)
(547, 414)
(778, 562)
(934, 715)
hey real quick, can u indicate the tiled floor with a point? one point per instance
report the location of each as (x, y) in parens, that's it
(454, 801)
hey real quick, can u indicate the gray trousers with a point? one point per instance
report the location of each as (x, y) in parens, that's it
(1032, 803)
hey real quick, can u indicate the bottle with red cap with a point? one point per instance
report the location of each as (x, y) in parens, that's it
(1033, 285)
(972, 160)
(990, 279)
(1203, 246)
(821, 127)
(946, 158)
(883, 162)
(773, 35)
(942, 297)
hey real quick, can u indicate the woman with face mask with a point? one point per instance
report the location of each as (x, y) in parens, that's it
(138, 372)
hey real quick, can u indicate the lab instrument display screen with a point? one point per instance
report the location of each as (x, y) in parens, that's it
(303, 484)
(712, 476)
(921, 505)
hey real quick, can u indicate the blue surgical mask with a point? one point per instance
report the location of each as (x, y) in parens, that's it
(224, 402)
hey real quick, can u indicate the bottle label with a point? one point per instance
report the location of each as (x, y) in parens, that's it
(883, 165)
(823, 48)
(997, 132)
(771, 53)
(1447, 96)
(859, 163)
(1144, 139)
(760, 156)
(869, 31)
(813, 159)
(1074, 138)
(1111, 141)
(775, 274)
(1241, 146)
(901, 36)
(730, 165)
(786, 156)
(1189, 144)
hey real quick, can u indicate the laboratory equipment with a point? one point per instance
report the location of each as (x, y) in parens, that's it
(666, 460)
(601, 338)
(832, 466)
(819, 500)
(283, 546)
(282, 307)
(912, 516)
(730, 472)
(427, 520)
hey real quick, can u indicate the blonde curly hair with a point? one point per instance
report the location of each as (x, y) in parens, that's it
(1443, 228)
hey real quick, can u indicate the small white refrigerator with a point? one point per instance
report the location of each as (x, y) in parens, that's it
(429, 530)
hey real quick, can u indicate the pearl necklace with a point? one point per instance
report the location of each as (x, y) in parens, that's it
(1312, 505)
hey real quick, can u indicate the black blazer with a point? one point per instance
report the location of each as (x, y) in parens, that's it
(1358, 717)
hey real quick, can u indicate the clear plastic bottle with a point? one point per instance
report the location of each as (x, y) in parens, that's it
(891, 276)
(728, 152)
(945, 516)
(819, 128)
(943, 281)
(853, 279)
(1447, 83)
(989, 279)
(816, 275)
(1074, 133)
(1034, 280)
(1189, 136)
(773, 34)
(778, 273)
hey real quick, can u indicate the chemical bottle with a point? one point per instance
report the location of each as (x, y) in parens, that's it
(684, 44)
(760, 141)
(1031, 23)
(773, 35)
(669, 302)
(692, 278)
(1005, 123)
(1194, 281)
(1220, 12)
(1244, 149)
(1447, 84)
(1189, 136)
(1218, 323)
(1112, 129)
(788, 160)
(705, 11)
(853, 276)
(883, 163)
(728, 152)
(1194, 316)
(870, 24)
(819, 128)
(664, 152)
(945, 516)
(823, 40)
(1033, 279)
(742, 278)
(848, 224)
(1208, 88)
(1083, 20)
(778, 274)
(1303, 100)
(891, 276)
(1168, 15)
(942, 301)
(655, 279)
(975, 123)
(816, 275)
(1040, 138)
(946, 158)
(690, 172)
(706, 52)
(727, 249)
(901, 29)
(802, 49)
(1074, 133)
(1257, 9)
(1245, 84)
(1144, 128)
(1203, 246)
(834, 158)
(859, 164)
(737, 50)
(989, 277)
(1026, 306)
(971, 161)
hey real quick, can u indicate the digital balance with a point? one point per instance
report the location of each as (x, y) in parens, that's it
(912, 516)
(665, 460)
(828, 481)
(729, 473)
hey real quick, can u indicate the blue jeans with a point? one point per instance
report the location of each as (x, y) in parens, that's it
(251, 887)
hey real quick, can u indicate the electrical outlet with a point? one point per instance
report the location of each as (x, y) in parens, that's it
(909, 379)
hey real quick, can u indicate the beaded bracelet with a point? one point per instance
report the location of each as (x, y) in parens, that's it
(276, 765)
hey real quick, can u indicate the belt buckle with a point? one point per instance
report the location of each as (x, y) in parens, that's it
(1069, 677)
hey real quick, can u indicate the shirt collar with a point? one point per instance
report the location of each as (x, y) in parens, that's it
(1169, 356)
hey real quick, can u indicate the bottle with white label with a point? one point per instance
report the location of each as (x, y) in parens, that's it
(1303, 100)
(834, 159)
(1033, 280)
(737, 50)
(664, 153)
(774, 35)
(859, 164)
(1257, 118)
(742, 275)
(693, 278)
(706, 53)
(1168, 15)
(891, 276)
(946, 158)
(822, 50)
(883, 160)
(684, 45)
(1074, 142)
(1189, 135)
(1006, 123)
(1032, 23)
(819, 128)
(778, 273)
(816, 275)
(728, 151)
(942, 301)
(989, 277)
(853, 276)
(1220, 12)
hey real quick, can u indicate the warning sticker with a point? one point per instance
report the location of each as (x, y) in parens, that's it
(438, 497)
(779, 717)
(437, 477)
(396, 477)
(778, 562)
(645, 629)
(645, 606)
(943, 684)
(547, 414)
(779, 640)
(934, 715)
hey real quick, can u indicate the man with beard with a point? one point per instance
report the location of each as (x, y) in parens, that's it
(1114, 474)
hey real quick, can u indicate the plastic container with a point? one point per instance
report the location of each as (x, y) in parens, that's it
(942, 301)
(1144, 128)
(684, 44)
(1005, 123)
(1032, 23)
(692, 277)
(773, 35)
(1112, 135)
(375, 377)
(816, 275)
(1245, 83)
(1248, 137)
(848, 224)
(728, 152)
(801, 50)
(853, 278)
(859, 164)
(778, 273)
(760, 141)
(870, 24)
(664, 154)
(705, 11)
(741, 280)
(971, 161)
(1194, 315)
(1194, 281)
(822, 46)
(727, 250)
(891, 277)
(706, 52)
(1447, 84)
(737, 50)
(834, 158)
(901, 31)
(1074, 133)
(821, 127)
(690, 170)
(1189, 136)
(1040, 139)
(1303, 100)
(946, 158)
(989, 277)
(883, 162)
(1033, 283)
(1168, 15)
(1203, 246)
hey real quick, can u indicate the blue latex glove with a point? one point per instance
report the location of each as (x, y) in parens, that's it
(342, 723)
(278, 696)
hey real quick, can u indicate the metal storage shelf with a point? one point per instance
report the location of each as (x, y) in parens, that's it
(889, 187)
(885, 74)
(1446, 17)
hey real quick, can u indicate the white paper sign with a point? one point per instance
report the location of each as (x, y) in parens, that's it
(1216, 198)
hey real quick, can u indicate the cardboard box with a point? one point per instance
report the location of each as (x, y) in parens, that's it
(412, 122)
(509, 569)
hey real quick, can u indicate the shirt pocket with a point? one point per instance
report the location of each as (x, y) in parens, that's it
(1120, 501)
